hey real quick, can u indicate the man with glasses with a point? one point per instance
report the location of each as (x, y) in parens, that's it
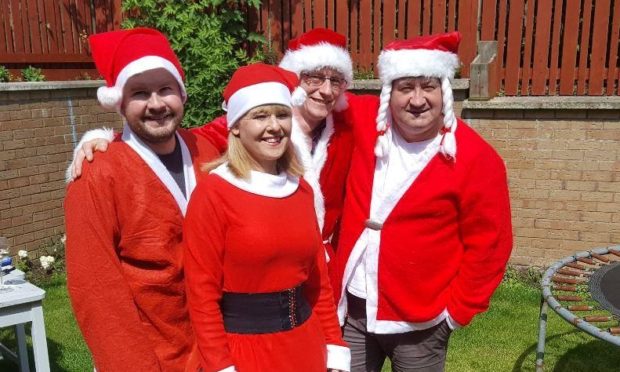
(321, 135)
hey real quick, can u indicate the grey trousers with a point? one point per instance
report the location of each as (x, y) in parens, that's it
(419, 351)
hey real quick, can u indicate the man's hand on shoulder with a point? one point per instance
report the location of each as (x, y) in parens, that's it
(87, 151)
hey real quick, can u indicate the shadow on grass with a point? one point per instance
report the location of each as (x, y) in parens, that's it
(596, 355)
(590, 356)
(527, 354)
(54, 350)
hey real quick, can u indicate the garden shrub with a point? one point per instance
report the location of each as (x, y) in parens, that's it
(5, 75)
(211, 39)
(48, 266)
(31, 73)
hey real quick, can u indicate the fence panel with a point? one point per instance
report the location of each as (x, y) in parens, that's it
(468, 26)
(584, 44)
(613, 75)
(599, 48)
(544, 46)
(527, 55)
(540, 63)
(489, 20)
(569, 47)
(513, 46)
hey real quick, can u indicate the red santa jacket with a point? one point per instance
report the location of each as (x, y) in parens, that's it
(124, 258)
(444, 245)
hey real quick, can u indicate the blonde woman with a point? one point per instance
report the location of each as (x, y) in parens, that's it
(257, 285)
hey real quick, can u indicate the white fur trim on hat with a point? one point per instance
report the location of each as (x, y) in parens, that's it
(395, 64)
(245, 99)
(111, 97)
(314, 57)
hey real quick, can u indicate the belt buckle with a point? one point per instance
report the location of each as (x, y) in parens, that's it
(373, 225)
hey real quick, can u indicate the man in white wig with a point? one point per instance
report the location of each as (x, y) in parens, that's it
(321, 133)
(426, 230)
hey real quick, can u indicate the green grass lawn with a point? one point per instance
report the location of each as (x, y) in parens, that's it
(503, 339)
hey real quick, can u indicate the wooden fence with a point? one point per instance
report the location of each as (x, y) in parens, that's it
(545, 47)
(52, 33)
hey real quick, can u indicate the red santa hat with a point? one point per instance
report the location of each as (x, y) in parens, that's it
(119, 55)
(256, 85)
(316, 49)
(429, 56)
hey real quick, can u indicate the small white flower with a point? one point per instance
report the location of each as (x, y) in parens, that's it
(46, 261)
(63, 239)
(22, 253)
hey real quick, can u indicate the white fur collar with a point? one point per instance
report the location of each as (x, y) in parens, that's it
(313, 163)
(264, 184)
(152, 160)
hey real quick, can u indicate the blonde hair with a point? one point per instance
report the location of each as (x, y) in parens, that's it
(240, 162)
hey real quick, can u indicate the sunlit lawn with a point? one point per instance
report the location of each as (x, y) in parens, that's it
(503, 339)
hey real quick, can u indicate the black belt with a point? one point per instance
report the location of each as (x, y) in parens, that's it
(264, 312)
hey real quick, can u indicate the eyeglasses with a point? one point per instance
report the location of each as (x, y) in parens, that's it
(317, 80)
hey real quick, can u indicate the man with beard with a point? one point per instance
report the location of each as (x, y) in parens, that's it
(124, 215)
(321, 134)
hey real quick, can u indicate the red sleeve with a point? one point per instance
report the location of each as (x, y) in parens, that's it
(101, 299)
(203, 234)
(215, 131)
(486, 231)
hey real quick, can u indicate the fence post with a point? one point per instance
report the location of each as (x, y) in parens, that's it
(483, 78)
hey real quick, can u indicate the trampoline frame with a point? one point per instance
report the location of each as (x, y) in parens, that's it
(548, 300)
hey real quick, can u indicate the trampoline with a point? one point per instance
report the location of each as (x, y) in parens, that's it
(583, 289)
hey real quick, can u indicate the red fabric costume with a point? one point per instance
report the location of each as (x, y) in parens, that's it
(124, 260)
(239, 241)
(330, 160)
(445, 243)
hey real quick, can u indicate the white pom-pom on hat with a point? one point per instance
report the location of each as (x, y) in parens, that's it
(109, 97)
(299, 96)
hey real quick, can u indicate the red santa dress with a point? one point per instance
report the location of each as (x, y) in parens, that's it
(326, 166)
(258, 236)
(437, 244)
(124, 221)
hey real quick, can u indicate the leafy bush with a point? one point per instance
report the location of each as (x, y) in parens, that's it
(5, 75)
(363, 74)
(47, 266)
(530, 276)
(209, 36)
(33, 74)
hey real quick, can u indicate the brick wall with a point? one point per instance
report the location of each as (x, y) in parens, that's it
(37, 130)
(564, 174)
(563, 168)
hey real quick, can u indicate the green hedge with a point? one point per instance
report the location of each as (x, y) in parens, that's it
(211, 39)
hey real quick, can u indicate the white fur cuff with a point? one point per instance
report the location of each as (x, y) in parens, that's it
(102, 133)
(338, 357)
